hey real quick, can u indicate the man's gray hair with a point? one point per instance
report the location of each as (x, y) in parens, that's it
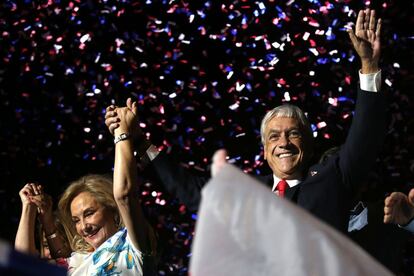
(289, 111)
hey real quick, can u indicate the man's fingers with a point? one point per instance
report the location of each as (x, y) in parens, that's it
(387, 218)
(134, 107)
(392, 199)
(366, 19)
(372, 20)
(367, 14)
(411, 196)
(352, 36)
(35, 188)
(219, 160)
(360, 21)
(129, 103)
(387, 200)
(110, 108)
(28, 187)
(387, 210)
(378, 30)
(219, 156)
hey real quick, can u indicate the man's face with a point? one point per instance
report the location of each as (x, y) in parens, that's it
(284, 147)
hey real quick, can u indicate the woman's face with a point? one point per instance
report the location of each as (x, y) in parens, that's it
(93, 222)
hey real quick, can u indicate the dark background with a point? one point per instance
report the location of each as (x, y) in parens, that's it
(204, 73)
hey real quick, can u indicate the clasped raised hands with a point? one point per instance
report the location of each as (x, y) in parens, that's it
(123, 119)
(33, 196)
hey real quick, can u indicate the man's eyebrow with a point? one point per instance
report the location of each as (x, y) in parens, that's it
(273, 130)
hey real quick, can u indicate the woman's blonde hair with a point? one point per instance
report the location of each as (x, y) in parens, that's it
(100, 187)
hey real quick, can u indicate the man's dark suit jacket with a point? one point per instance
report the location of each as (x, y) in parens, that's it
(328, 187)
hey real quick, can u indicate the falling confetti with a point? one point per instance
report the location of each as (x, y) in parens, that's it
(203, 74)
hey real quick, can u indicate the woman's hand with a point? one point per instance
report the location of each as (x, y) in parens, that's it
(26, 193)
(44, 206)
(128, 119)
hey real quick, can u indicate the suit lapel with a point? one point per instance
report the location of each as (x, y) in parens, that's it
(292, 193)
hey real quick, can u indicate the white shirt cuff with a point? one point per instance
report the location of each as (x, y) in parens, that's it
(409, 227)
(370, 82)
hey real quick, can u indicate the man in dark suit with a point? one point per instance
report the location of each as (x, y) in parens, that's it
(323, 189)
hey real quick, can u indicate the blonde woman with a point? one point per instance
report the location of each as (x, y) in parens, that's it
(105, 225)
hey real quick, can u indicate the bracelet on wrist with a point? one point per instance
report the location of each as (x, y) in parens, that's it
(121, 137)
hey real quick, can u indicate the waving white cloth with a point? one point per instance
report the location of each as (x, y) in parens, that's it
(244, 229)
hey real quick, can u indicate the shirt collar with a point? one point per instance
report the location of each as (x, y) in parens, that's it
(291, 182)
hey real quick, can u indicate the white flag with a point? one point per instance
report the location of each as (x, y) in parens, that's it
(244, 229)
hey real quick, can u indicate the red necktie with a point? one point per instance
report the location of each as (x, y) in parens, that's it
(281, 187)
